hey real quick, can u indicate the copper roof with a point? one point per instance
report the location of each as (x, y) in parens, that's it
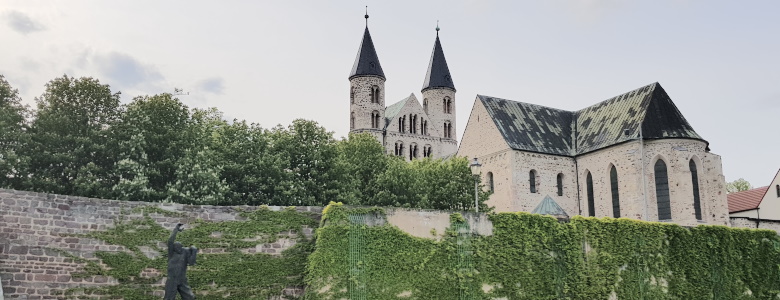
(746, 200)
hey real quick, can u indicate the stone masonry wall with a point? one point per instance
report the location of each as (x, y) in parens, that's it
(36, 227)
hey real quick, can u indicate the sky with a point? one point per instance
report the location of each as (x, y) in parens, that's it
(270, 62)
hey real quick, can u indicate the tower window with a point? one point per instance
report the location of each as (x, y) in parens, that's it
(374, 94)
(375, 119)
(532, 181)
(425, 105)
(352, 94)
(613, 181)
(447, 104)
(695, 184)
(491, 187)
(352, 120)
(560, 184)
(591, 201)
(447, 129)
(662, 191)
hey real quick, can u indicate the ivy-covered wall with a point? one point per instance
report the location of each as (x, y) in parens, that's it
(63, 247)
(537, 257)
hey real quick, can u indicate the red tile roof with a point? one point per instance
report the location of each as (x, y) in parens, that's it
(746, 200)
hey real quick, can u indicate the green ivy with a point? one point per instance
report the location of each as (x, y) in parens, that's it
(537, 257)
(229, 275)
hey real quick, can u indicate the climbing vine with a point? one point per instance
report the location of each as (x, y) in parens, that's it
(232, 273)
(538, 257)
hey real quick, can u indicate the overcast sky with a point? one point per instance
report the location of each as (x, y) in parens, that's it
(272, 62)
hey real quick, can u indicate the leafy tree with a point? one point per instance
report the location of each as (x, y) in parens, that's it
(363, 159)
(312, 173)
(70, 138)
(738, 186)
(154, 134)
(13, 126)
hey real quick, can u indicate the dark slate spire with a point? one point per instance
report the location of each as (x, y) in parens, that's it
(366, 62)
(438, 75)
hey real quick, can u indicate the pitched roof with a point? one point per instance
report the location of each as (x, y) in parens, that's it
(366, 62)
(746, 200)
(548, 206)
(393, 110)
(438, 74)
(536, 128)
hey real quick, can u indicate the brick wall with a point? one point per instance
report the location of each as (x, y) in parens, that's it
(35, 227)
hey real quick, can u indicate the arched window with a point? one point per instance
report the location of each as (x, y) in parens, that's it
(591, 202)
(402, 124)
(490, 182)
(352, 94)
(425, 132)
(444, 105)
(425, 105)
(560, 184)
(532, 181)
(662, 191)
(777, 187)
(374, 94)
(412, 151)
(695, 184)
(427, 151)
(377, 119)
(613, 182)
(352, 120)
(415, 124)
(399, 148)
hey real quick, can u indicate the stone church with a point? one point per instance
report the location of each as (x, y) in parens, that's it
(633, 156)
(405, 128)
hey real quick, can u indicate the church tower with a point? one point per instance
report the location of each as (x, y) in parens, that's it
(439, 98)
(367, 91)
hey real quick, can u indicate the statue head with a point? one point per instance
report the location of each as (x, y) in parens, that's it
(177, 247)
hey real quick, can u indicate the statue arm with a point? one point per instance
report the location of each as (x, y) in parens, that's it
(173, 235)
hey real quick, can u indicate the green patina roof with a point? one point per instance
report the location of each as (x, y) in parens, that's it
(549, 207)
(537, 128)
(393, 110)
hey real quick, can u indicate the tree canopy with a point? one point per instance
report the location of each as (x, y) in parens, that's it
(81, 140)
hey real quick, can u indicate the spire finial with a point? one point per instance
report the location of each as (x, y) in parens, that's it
(366, 16)
(437, 28)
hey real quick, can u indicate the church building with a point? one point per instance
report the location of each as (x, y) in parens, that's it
(405, 128)
(632, 156)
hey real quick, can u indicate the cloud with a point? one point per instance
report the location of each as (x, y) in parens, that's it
(22, 23)
(126, 71)
(215, 85)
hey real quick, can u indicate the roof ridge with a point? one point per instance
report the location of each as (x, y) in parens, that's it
(526, 103)
(654, 84)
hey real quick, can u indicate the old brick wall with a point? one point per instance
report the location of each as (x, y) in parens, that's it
(753, 223)
(35, 227)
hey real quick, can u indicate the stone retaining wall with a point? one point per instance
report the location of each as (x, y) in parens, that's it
(37, 229)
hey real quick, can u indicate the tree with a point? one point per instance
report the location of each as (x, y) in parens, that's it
(154, 134)
(70, 138)
(738, 186)
(363, 159)
(13, 135)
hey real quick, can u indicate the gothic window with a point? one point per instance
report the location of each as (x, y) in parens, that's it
(352, 94)
(560, 184)
(591, 201)
(613, 181)
(491, 187)
(374, 94)
(695, 182)
(352, 120)
(425, 105)
(532, 181)
(399, 148)
(662, 191)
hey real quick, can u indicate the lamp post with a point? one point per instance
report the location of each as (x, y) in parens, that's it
(476, 168)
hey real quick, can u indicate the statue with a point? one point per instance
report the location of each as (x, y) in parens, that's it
(179, 258)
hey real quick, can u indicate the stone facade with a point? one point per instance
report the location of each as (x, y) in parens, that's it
(508, 171)
(36, 228)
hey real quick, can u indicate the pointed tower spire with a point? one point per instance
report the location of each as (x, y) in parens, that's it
(438, 75)
(366, 62)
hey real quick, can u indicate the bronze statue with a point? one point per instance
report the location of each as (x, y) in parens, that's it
(179, 258)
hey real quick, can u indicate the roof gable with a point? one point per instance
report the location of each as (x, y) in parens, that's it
(409, 105)
(536, 128)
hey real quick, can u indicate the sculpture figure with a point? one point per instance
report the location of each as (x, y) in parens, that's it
(179, 258)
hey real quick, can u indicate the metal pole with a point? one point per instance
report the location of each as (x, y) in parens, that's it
(476, 194)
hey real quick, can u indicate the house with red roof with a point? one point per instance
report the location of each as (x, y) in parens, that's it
(757, 208)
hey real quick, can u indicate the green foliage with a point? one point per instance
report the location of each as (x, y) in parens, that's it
(537, 257)
(13, 161)
(738, 186)
(233, 274)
